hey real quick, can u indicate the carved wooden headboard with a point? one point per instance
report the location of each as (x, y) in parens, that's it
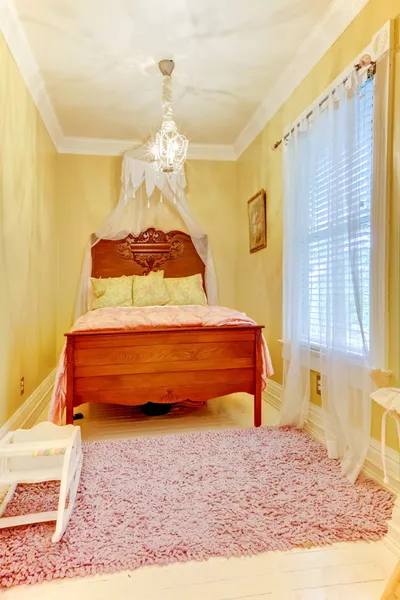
(151, 250)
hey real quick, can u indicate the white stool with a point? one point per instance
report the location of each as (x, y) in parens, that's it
(389, 398)
(45, 453)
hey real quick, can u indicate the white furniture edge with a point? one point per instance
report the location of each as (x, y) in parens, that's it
(372, 467)
(329, 28)
(29, 411)
(23, 444)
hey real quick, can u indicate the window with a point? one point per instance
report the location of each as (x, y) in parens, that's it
(336, 279)
(335, 256)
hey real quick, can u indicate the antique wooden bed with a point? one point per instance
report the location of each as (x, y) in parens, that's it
(161, 365)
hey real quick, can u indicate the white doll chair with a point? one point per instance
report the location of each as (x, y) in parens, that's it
(46, 452)
(389, 399)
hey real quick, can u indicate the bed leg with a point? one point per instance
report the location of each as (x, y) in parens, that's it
(258, 381)
(257, 406)
(70, 415)
(70, 382)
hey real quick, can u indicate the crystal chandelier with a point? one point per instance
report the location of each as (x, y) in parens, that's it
(170, 147)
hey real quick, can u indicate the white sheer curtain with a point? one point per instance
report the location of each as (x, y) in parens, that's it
(296, 347)
(131, 215)
(334, 263)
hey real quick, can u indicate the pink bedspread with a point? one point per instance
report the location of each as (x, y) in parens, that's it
(143, 319)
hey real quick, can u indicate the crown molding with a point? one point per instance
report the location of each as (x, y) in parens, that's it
(96, 146)
(115, 147)
(224, 152)
(330, 27)
(20, 49)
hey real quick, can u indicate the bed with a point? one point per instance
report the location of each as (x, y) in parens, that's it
(161, 364)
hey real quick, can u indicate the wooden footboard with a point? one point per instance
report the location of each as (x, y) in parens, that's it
(170, 365)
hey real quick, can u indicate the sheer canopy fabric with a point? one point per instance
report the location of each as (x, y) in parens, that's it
(148, 199)
(335, 262)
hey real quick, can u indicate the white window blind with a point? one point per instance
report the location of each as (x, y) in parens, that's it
(338, 247)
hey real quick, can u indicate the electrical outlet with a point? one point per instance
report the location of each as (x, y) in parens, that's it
(318, 384)
(22, 386)
(318, 390)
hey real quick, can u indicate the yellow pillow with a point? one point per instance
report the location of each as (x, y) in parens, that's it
(150, 290)
(112, 291)
(186, 290)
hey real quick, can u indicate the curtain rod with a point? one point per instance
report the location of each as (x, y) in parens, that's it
(365, 61)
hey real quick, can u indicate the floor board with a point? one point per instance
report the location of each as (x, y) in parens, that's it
(357, 571)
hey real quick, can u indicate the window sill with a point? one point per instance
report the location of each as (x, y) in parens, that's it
(381, 377)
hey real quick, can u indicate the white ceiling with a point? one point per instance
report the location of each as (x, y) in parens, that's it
(98, 61)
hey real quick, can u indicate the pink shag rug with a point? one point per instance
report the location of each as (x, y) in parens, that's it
(189, 497)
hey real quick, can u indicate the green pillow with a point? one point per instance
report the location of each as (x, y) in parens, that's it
(150, 290)
(186, 290)
(112, 291)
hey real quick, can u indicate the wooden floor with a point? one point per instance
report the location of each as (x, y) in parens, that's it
(356, 571)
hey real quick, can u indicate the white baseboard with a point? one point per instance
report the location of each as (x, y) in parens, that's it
(373, 464)
(273, 394)
(28, 413)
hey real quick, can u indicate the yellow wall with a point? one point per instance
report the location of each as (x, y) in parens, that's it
(27, 241)
(259, 276)
(88, 189)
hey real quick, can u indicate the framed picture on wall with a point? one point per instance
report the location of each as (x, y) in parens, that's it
(257, 209)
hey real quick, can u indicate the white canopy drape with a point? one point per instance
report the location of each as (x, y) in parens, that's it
(139, 181)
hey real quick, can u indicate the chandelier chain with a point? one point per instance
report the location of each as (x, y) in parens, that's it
(170, 147)
(167, 99)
